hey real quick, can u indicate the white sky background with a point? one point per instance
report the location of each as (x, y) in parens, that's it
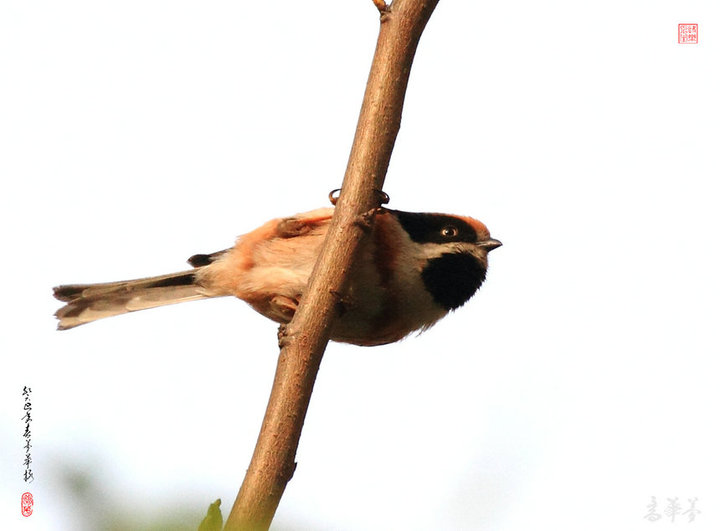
(580, 382)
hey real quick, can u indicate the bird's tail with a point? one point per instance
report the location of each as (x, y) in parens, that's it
(89, 302)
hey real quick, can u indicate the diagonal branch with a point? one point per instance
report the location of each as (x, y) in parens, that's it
(306, 337)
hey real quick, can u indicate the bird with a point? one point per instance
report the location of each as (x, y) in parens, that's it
(411, 270)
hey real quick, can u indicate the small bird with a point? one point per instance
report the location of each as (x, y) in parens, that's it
(412, 270)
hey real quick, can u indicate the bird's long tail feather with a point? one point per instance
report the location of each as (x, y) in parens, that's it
(89, 302)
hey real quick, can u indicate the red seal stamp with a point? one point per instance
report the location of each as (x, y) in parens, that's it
(687, 33)
(26, 504)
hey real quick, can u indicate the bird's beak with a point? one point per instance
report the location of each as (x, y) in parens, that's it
(490, 244)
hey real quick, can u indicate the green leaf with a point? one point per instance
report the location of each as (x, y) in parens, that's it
(213, 520)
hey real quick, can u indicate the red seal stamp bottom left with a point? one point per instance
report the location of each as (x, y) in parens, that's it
(26, 504)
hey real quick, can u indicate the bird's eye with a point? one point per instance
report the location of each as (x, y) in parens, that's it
(449, 231)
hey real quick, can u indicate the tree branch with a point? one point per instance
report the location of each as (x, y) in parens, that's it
(306, 336)
(381, 5)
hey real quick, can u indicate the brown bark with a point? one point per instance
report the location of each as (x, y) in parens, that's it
(306, 337)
